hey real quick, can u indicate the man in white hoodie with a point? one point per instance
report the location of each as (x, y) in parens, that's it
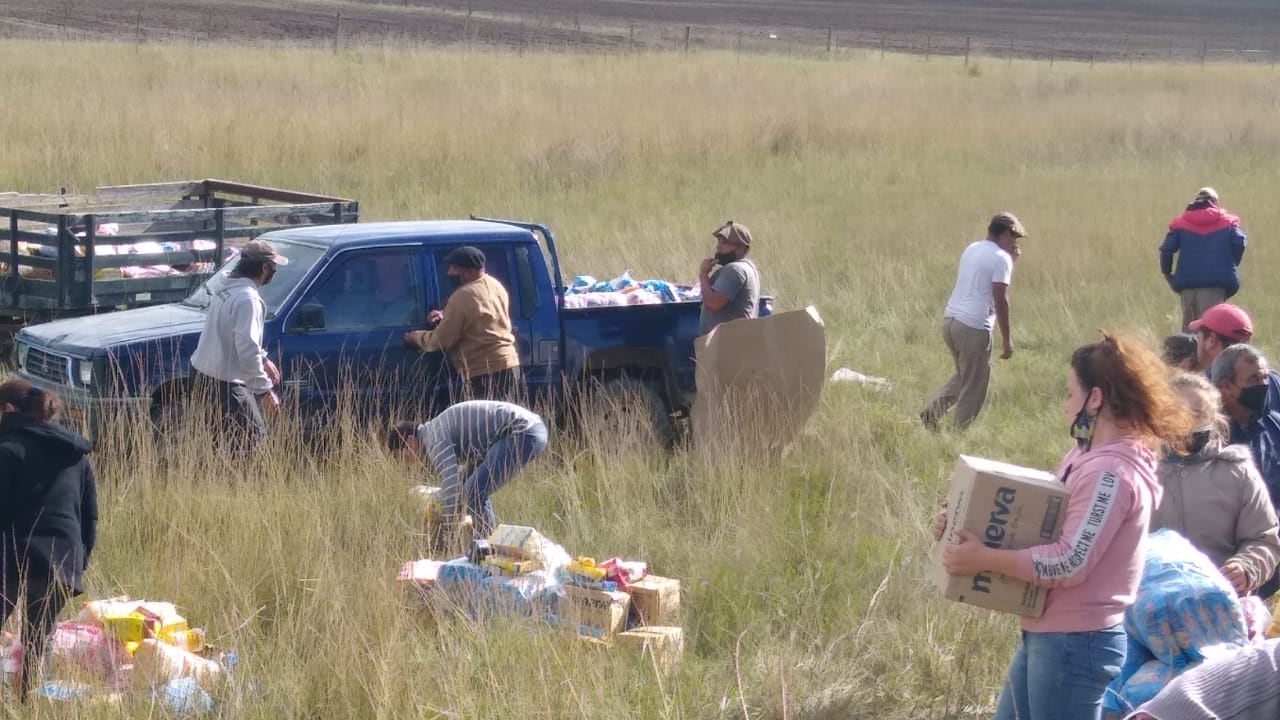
(229, 359)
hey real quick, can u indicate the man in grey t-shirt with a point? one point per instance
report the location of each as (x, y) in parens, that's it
(734, 291)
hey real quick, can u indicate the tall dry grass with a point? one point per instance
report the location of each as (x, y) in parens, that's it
(805, 577)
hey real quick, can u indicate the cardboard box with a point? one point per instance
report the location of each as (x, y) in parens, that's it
(600, 611)
(655, 600)
(516, 541)
(664, 644)
(1010, 508)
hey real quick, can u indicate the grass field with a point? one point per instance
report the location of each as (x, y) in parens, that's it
(805, 578)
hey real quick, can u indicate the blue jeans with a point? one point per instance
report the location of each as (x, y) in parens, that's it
(502, 461)
(1061, 676)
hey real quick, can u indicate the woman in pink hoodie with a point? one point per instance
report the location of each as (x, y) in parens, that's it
(1119, 404)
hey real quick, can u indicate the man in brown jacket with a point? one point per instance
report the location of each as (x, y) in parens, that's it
(475, 330)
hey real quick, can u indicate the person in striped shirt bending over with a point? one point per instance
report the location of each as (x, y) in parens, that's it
(507, 436)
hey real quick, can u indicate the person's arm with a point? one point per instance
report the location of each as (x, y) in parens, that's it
(88, 511)
(1000, 298)
(458, 314)
(10, 465)
(1238, 242)
(726, 286)
(247, 318)
(442, 456)
(1095, 511)
(1257, 541)
(1168, 249)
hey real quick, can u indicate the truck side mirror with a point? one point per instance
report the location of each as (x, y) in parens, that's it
(310, 317)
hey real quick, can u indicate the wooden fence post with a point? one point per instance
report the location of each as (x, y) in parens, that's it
(968, 41)
(337, 32)
(928, 48)
(1204, 54)
(829, 33)
(688, 30)
(881, 47)
(137, 29)
(1010, 52)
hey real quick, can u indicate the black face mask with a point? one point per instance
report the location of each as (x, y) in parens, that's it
(1199, 439)
(1082, 427)
(1254, 399)
(726, 257)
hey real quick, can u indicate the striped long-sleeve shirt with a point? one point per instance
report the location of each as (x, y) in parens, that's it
(464, 430)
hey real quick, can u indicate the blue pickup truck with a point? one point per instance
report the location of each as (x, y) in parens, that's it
(337, 314)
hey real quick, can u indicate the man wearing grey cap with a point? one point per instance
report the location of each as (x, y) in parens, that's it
(1209, 245)
(733, 292)
(230, 362)
(979, 302)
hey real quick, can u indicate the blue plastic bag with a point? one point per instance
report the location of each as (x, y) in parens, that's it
(1184, 611)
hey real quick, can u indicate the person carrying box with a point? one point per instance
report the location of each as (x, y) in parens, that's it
(1120, 404)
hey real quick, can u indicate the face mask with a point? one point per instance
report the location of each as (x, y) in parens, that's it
(1254, 399)
(1199, 439)
(726, 258)
(1082, 427)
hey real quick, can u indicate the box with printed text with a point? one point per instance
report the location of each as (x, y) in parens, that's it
(1008, 508)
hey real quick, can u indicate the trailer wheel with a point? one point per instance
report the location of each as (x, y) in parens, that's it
(620, 407)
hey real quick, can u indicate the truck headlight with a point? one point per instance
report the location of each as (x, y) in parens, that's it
(22, 355)
(86, 372)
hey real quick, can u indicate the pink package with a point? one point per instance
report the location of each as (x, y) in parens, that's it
(88, 647)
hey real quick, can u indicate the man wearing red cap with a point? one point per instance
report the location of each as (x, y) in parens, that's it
(1209, 245)
(1220, 326)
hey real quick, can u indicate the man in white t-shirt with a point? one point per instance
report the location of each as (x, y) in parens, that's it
(979, 301)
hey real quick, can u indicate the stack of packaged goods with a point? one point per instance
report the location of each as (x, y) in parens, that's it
(119, 645)
(586, 291)
(517, 571)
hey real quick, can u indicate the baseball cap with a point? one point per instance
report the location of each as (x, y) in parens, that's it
(1006, 221)
(1206, 194)
(262, 251)
(734, 233)
(466, 257)
(1227, 320)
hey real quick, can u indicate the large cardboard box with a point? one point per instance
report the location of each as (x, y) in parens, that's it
(655, 600)
(600, 612)
(1010, 508)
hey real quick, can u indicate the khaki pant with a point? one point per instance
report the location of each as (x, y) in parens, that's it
(967, 389)
(1196, 300)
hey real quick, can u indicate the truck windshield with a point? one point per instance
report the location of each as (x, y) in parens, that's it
(301, 259)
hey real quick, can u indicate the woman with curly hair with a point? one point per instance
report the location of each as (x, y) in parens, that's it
(1120, 406)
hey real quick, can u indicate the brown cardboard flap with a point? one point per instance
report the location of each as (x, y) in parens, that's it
(759, 381)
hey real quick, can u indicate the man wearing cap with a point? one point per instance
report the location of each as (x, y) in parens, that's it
(475, 330)
(231, 364)
(979, 301)
(1209, 244)
(732, 292)
(1219, 327)
(1251, 401)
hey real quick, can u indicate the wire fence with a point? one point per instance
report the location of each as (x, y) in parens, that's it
(442, 27)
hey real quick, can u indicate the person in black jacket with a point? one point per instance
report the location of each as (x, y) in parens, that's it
(48, 515)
